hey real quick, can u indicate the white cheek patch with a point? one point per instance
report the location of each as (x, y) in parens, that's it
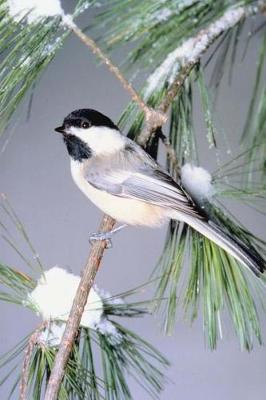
(79, 132)
(101, 140)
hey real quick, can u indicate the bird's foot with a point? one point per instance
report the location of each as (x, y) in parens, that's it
(107, 236)
(94, 237)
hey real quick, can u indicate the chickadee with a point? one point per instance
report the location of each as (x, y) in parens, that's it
(120, 178)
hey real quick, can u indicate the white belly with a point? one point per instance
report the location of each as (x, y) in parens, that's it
(129, 211)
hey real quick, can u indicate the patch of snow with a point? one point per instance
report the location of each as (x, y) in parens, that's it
(52, 298)
(85, 5)
(162, 15)
(197, 181)
(107, 328)
(48, 50)
(107, 297)
(34, 10)
(54, 295)
(185, 3)
(52, 335)
(161, 74)
(191, 50)
(67, 21)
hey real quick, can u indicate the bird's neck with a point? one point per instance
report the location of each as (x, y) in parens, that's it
(105, 141)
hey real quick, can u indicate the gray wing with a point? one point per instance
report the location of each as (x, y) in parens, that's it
(133, 173)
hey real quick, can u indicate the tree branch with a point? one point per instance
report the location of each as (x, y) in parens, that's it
(154, 119)
(26, 362)
(188, 55)
(149, 113)
(86, 282)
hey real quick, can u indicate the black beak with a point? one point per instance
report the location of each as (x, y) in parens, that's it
(60, 129)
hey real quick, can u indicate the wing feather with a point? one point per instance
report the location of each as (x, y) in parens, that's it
(133, 173)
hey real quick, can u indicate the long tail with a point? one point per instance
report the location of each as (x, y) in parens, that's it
(250, 258)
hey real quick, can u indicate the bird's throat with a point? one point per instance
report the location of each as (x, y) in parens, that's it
(77, 149)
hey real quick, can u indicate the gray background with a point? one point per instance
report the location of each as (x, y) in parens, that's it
(34, 171)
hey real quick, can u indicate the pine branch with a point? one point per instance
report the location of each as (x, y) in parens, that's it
(196, 47)
(189, 53)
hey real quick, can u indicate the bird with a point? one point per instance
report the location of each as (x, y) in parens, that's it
(125, 182)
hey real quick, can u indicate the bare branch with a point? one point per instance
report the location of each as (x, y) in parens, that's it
(26, 362)
(171, 155)
(90, 43)
(86, 282)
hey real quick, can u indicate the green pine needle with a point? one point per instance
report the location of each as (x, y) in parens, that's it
(253, 135)
(18, 284)
(196, 274)
(214, 282)
(155, 28)
(230, 179)
(205, 101)
(12, 231)
(130, 355)
(182, 134)
(26, 49)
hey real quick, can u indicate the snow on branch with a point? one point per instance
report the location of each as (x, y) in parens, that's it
(193, 48)
(179, 63)
(34, 10)
(53, 302)
(197, 181)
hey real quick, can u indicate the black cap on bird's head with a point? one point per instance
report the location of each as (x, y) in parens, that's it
(85, 118)
(76, 131)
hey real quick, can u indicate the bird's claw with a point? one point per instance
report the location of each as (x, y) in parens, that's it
(105, 236)
(95, 237)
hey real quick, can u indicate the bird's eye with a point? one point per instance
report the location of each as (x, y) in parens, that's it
(85, 125)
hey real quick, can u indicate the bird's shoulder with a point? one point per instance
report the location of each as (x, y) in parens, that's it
(131, 164)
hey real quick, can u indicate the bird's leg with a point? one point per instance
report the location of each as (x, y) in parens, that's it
(105, 236)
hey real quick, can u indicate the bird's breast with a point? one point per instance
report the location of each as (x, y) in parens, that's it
(129, 211)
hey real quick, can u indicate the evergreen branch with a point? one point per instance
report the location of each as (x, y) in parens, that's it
(204, 284)
(172, 92)
(157, 28)
(124, 350)
(26, 50)
(188, 55)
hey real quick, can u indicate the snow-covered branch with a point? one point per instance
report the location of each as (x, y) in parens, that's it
(179, 63)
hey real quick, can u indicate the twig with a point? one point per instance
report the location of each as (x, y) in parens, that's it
(149, 113)
(176, 87)
(26, 362)
(171, 154)
(154, 119)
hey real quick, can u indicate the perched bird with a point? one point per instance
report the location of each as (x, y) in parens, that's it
(120, 178)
